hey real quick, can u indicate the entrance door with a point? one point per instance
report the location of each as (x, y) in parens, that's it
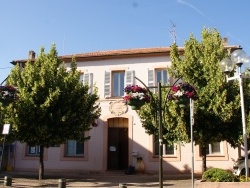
(117, 147)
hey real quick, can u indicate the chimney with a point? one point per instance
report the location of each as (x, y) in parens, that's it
(225, 41)
(32, 54)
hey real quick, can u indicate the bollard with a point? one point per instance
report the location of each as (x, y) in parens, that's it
(7, 181)
(122, 185)
(62, 183)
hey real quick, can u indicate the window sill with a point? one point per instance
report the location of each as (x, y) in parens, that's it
(165, 158)
(74, 158)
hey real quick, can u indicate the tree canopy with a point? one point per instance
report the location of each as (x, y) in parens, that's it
(52, 105)
(217, 112)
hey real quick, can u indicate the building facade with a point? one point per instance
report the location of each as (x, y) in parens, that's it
(118, 139)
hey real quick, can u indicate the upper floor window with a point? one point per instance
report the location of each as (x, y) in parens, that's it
(87, 79)
(155, 76)
(118, 83)
(81, 77)
(74, 148)
(161, 76)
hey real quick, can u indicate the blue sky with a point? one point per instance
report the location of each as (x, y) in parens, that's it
(79, 26)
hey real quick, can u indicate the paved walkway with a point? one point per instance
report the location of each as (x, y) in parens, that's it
(97, 180)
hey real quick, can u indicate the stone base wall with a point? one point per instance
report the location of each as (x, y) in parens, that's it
(201, 184)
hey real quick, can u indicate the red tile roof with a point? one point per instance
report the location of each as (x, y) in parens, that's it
(113, 54)
(110, 54)
(126, 53)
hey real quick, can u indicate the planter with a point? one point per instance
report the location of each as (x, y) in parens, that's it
(183, 102)
(202, 184)
(7, 95)
(6, 101)
(139, 166)
(135, 104)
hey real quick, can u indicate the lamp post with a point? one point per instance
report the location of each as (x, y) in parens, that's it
(159, 110)
(159, 115)
(192, 139)
(238, 58)
(160, 137)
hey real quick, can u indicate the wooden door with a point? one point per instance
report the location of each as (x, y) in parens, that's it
(117, 148)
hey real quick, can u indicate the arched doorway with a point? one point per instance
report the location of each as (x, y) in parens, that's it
(117, 143)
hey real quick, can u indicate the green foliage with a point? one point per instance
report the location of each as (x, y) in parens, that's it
(52, 106)
(175, 128)
(243, 179)
(218, 175)
(217, 111)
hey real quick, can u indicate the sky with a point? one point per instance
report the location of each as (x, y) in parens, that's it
(80, 26)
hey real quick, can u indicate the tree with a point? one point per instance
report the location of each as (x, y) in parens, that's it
(53, 106)
(217, 113)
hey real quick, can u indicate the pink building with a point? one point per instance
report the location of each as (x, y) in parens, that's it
(118, 138)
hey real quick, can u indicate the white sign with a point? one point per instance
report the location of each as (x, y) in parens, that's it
(112, 148)
(6, 129)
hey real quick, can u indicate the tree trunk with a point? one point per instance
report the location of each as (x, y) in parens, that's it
(41, 165)
(204, 158)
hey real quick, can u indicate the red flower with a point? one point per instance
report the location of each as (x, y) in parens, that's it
(136, 92)
(182, 90)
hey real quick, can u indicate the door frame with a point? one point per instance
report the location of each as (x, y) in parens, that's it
(130, 138)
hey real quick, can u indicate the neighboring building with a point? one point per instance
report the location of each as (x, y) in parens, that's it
(118, 138)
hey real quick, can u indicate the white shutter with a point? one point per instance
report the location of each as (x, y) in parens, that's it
(129, 78)
(107, 84)
(81, 77)
(85, 79)
(91, 82)
(88, 80)
(151, 80)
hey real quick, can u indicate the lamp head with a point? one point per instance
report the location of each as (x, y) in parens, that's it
(238, 57)
(226, 65)
(247, 63)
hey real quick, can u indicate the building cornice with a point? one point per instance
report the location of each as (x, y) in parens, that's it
(117, 54)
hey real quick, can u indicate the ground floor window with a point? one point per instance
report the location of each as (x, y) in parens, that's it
(214, 148)
(74, 148)
(33, 150)
(168, 149)
(214, 151)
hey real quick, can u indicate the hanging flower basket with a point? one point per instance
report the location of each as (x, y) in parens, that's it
(136, 96)
(182, 93)
(7, 94)
(183, 102)
(135, 104)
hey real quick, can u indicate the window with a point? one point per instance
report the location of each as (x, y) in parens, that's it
(217, 151)
(33, 150)
(155, 76)
(214, 148)
(81, 77)
(74, 148)
(168, 149)
(118, 83)
(87, 79)
(161, 76)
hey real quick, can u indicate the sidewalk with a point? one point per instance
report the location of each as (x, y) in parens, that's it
(25, 180)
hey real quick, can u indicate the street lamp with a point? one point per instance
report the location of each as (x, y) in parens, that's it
(238, 58)
(188, 92)
(158, 104)
(159, 110)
